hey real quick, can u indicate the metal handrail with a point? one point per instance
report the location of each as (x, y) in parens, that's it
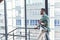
(14, 30)
(22, 35)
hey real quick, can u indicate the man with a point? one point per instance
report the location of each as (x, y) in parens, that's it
(43, 22)
(1, 1)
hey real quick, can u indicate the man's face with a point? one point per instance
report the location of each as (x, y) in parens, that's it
(42, 12)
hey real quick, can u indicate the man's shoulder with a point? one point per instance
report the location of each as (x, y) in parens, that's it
(46, 17)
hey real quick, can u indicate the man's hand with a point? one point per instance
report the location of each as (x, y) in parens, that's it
(1, 1)
(39, 21)
(42, 23)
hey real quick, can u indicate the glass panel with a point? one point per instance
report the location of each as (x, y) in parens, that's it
(33, 8)
(2, 21)
(15, 19)
(51, 16)
(57, 19)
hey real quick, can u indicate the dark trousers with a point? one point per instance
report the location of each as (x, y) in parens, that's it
(47, 36)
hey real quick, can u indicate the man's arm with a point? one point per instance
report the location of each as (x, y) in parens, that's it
(37, 27)
(40, 23)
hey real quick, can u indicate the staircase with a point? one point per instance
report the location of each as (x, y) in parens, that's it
(34, 34)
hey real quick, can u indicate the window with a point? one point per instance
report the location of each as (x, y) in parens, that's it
(27, 22)
(57, 22)
(18, 22)
(33, 22)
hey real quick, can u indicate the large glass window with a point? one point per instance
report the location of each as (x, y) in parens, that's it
(33, 8)
(57, 19)
(33, 22)
(16, 18)
(18, 22)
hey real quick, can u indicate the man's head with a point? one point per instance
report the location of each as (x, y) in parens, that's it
(1, 1)
(42, 11)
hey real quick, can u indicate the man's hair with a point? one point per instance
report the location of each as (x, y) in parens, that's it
(43, 9)
(1, 1)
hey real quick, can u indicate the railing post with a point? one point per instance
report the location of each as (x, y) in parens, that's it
(13, 35)
(1, 38)
(20, 35)
(29, 34)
